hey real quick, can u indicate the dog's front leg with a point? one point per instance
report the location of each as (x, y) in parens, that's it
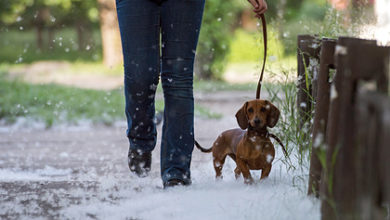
(237, 172)
(244, 170)
(265, 171)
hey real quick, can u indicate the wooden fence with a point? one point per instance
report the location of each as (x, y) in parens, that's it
(349, 167)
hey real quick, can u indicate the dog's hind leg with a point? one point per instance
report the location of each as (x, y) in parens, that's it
(218, 164)
(237, 171)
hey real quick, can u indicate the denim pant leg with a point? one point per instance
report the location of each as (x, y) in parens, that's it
(139, 27)
(180, 26)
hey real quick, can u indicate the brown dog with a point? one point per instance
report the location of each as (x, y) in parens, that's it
(251, 149)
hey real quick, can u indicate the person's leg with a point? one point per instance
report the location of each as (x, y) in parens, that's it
(139, 23)
(180, 26)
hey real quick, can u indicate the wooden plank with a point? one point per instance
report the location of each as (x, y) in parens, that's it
(366, 152)
(339, 188)
(308, 50)
(321, 114)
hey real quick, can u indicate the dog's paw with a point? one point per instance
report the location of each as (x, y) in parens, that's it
(248, 181)
(219, 178)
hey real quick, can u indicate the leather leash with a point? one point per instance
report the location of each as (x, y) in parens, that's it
(280, 142)
(264, 24)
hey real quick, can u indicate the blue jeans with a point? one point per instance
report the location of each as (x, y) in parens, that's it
(141, 24)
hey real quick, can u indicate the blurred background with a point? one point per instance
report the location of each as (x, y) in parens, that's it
(61, 61)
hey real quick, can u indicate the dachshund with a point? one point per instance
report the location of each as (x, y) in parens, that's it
(250, 145)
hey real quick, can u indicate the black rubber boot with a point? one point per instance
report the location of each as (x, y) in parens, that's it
(139, 162)
(175, 182)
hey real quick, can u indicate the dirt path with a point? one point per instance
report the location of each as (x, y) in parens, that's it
(64, 73)
(38, 166)
(82, 173)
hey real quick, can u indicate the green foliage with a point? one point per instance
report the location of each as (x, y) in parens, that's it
(308, 18)
(292, 8)
(55, 104)
(333, 24)
(289, 7)
(217, 34)
(313, 10)
(201, 111)
(10, 10)
(217, 85)
(20, 47)
(47, 12)
(296, 139)
(218, 18)
(316, 18)
(248, 47)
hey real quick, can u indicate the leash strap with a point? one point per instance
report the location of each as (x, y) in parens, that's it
(280, 142)
(264, 24)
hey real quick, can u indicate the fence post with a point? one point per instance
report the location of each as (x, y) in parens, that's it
(356, 60)
(321, 113)
(372, 141)
(384, 154)
(308, 56)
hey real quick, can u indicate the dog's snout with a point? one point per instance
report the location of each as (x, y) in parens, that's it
(257, 121)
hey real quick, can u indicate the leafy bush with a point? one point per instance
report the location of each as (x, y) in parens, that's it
(313, 10)
(248, 47)
(218, 19)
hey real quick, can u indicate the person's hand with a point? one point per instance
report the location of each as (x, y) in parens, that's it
(260, 7)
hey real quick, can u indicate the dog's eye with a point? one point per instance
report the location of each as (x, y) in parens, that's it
(262, 109)
(250, 110)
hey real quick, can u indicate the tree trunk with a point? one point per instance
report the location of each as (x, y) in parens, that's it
(111, 42)
(39, 35)
(51, 38)
(80, 36)
(42, 15)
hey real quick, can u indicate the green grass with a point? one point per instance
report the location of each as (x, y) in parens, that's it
(296, 139)
(56, 104)
(20, 46)
(214, 86)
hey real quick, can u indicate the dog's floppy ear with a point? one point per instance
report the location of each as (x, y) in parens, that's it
(273, 114)
(242, 117)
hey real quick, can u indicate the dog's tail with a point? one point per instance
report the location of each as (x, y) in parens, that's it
(202, 149)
